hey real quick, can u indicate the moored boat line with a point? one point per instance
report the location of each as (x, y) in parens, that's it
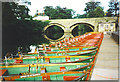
(60, 61)
(41, 69)
(87, 40)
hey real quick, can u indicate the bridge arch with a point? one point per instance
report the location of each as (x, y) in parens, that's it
(76, 24)
(54, 24)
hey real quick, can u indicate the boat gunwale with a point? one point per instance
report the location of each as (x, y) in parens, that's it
(49, 73)
(90, 57)
(46, 64)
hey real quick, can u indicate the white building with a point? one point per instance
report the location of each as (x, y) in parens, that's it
(106, 27)
(41, 18)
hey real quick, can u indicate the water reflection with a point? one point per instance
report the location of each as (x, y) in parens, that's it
(54, 32)
(64, 35)
(81, 29)
(54, 35)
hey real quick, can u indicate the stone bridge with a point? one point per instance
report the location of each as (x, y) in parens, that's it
(69, 24)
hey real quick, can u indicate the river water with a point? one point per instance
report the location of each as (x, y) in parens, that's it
(53, 34)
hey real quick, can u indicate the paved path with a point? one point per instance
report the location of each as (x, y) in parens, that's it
(106, 67)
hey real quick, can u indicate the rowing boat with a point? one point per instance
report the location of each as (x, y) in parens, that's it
(60, 76)
(64, 53)
(67, 49)
(50, 59)
(45, 68)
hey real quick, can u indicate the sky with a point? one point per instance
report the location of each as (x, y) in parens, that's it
(76, 5)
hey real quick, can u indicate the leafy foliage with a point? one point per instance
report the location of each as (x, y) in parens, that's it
(19, 32)
(58, 32)
(80, 16)
(113, 8)
(81, 29)
(90, 6)
(97, 12)
(58, 12)
(93, 10)
(15, 10)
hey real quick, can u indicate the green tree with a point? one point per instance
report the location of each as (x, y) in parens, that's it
(113, 8)
(15, 11)
(109, 13)
(81, 29)
(93, 9)
(97, 12)
(91, 14)
(20, 11)
(80, 16)
(7, 12)
(58, 12)
(25, 2)
(90, 6)
(17, 32)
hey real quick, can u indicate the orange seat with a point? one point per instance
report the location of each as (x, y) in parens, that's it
(19, 61)
(3, 72)
(43, 70)
(67, 59)
(70, 78)
(62, 68)
(48, 50)
(47, 60)
(46, 78)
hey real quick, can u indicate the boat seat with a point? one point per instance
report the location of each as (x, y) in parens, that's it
(47, 60)
(48, 50)
(67, 59)
(70, 78)
(46, 78)
(62, 68)
(80, 48)
(80, 58)
(43, 70)
(4, 72)
(18, 61)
